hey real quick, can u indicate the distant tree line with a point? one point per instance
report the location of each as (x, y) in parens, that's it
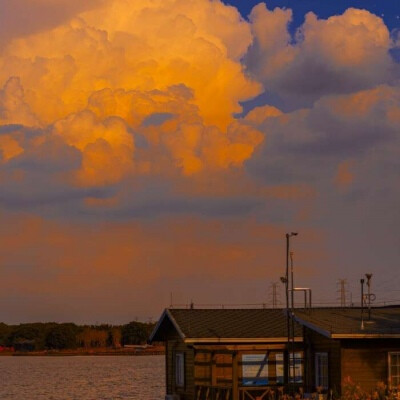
(48, 336)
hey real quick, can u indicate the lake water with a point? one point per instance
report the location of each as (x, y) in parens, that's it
(82, 378)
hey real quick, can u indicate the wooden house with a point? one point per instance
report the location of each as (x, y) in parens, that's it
(227, 354)
(340, 343)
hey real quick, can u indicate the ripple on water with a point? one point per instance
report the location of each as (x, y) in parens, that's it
(82, 378)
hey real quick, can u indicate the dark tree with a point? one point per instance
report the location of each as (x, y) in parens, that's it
(134, 333)
(27, 337)
(5, 331)
(62, 336)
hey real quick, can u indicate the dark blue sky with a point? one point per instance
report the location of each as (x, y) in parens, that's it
(388, 9)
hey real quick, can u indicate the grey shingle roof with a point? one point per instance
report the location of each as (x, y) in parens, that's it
(228, 323)
(336, 322)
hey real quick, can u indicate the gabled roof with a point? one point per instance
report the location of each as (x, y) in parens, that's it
(346, 323)
(225, 325)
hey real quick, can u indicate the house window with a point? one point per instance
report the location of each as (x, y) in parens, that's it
(296, 365)
(255, 369)
(394, 369)
(180, 369)
(321, 370)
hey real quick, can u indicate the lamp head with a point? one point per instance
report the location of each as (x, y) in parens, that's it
(291, 234)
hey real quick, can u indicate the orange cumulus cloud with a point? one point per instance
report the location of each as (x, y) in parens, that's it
(340, 54)
(107, 147)
(356, 38)
(96, 80)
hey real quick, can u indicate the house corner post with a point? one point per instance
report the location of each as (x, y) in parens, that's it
(235, 377)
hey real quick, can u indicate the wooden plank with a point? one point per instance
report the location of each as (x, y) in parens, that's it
(214, 371)
(235, 377)
(365, 367)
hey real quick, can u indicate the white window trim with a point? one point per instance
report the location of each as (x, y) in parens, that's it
(180, 369)
(390, 353)
(317, 377)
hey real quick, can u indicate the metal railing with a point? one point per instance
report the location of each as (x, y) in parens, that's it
(213, 393)
(205, 392)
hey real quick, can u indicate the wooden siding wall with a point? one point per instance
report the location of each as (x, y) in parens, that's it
(215, 368)
(314, 343)
(218, 366)
(366, 361)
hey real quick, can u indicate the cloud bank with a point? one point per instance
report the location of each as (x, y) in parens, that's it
(122, 134)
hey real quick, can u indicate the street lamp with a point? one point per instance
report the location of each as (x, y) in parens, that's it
(288, 236)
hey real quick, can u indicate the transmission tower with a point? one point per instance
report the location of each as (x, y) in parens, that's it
(342, 290)
(274, 293)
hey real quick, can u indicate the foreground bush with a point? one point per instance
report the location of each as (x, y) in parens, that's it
(351, 391)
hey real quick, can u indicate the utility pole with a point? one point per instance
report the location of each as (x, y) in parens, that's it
(289, 316)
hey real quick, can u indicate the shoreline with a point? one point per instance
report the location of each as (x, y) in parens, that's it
(81, 352)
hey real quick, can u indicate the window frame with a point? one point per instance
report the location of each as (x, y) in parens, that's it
(260, 362)
(397, 376)
(321, 379)
(180, 369)
(298, 363)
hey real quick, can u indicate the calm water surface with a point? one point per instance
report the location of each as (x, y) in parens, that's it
(82, 378)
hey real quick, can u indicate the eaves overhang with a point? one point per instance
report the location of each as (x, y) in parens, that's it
(365, 336)
(241, 340)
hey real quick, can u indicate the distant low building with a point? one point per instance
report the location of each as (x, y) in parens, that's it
(243, 354)
(5, 349)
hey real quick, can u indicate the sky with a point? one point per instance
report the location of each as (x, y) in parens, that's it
(152, 149)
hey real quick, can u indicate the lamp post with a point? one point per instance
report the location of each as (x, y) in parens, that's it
(362, 303)
(288, 236)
